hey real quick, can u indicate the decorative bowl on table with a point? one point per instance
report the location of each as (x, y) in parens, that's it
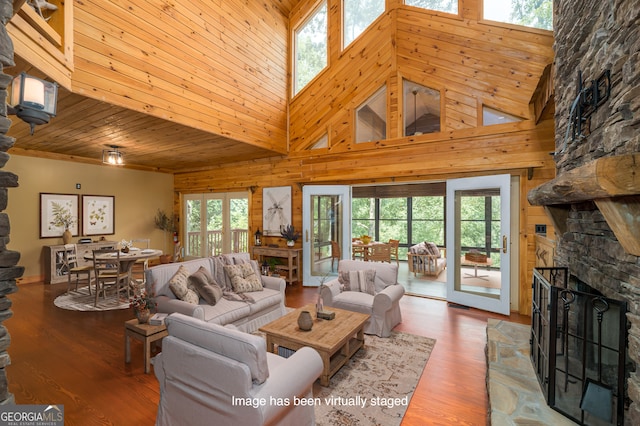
(365, 239)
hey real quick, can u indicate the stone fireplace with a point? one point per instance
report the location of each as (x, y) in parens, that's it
(594, 201)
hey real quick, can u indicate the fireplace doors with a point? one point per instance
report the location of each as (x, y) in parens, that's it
(578, 348)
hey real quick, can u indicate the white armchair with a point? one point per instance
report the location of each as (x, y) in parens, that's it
(214, 375)
(383, 306)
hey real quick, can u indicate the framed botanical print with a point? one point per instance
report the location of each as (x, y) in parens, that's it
(276, 209)
(98, 214)
(57, 213)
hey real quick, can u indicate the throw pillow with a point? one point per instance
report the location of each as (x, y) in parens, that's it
(343, 279)
(179, 286)
(363, 281)
(432, 249)
(243, 278)
(207, 289)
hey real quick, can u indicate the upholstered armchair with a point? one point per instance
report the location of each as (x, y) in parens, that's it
(214, 375)
(369, 288)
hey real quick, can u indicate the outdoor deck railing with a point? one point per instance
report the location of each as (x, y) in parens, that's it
(239, 242)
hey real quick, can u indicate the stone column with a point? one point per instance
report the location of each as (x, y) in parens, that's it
(9, 271)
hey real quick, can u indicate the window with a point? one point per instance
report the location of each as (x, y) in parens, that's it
(492, 116)
(421, 109)
(530, 13)
(363, 216)
(216, 223)
(449, 6)
(480, 225)
(393, 223)
(427, 220)
(410, 219)
(371, 118)
(323, 142)
(310, 48)
(357, 16)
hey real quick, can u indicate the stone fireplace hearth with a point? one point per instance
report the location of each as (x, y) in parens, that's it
(594, 201)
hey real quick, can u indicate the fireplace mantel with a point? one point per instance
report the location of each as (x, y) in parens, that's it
(613, 183)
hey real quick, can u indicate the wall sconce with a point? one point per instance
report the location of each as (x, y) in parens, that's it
(32, 99)
(113, 156)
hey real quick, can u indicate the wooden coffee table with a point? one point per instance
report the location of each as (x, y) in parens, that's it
(335, 340)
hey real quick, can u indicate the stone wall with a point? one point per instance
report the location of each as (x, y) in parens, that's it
(593, 36)
(9, 272)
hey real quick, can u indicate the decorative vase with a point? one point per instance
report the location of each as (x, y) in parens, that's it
(66, 236)
(291, 243)
(143, 316)
(305, 322)
(125, 249)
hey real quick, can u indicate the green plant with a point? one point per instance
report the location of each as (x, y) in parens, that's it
(61, 216)
(289, 233)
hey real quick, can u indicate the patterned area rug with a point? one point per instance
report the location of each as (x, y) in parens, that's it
(81, 300)
(376, 385)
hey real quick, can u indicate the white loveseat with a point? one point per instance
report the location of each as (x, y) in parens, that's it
(266, 305)
(383, 305)
(213, 375)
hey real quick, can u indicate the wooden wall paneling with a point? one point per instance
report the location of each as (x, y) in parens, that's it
(27, 43)
(247, 104)
(166, 71)
(354, 76)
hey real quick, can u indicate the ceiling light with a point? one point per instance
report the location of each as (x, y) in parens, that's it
(32, 99)
(113, 156)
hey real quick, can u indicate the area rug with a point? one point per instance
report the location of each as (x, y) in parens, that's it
(376, 385)
(81, 300)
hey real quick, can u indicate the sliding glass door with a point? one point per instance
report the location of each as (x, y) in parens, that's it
(215, 223)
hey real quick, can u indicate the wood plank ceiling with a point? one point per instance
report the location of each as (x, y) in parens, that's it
(84, 127)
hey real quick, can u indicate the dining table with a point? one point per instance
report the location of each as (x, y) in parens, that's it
(128, 259)
(358, 247)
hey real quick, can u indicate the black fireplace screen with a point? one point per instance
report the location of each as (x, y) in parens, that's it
(578, 348)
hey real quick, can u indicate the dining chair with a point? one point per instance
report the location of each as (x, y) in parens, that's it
(74, 269)
(395, 245)
(108, 273)
(380, 253)
(335, 252)
(357, 251)
(141, 265)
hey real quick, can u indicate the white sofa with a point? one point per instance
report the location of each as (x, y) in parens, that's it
(383, 306)
(213, 375)
(267, 305)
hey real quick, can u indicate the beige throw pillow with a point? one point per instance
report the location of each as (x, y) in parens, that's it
(179, 286)
(202, 283)
(243, 278)
(363, 281)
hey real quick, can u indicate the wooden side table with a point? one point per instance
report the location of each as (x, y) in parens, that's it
(293, 267)
(145, 333)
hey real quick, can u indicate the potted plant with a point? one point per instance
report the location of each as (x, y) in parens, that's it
(142, 305)
(62, 218)
(165, 223)
(289, 233)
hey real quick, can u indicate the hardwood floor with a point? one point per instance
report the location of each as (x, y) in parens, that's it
(77, 359)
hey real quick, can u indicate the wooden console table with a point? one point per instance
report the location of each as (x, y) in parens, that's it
(293, 256)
